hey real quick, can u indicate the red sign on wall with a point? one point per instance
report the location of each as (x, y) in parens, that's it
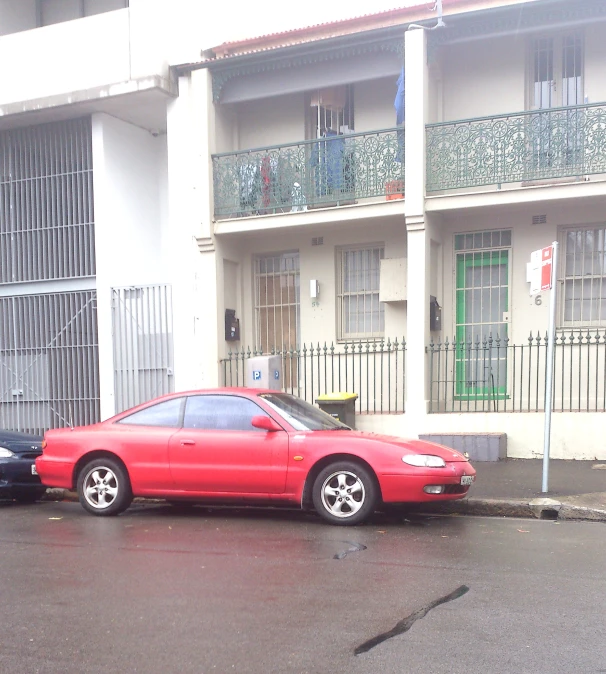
(546, 255)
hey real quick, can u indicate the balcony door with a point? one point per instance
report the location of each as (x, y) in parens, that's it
(557, 82)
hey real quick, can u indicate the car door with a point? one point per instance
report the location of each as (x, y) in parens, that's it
(219, 451)
(141, 439)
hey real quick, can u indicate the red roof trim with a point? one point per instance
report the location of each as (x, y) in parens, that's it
(390, 17)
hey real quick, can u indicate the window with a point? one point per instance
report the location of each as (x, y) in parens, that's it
(556, 71)
(556, 81)
(277, 301)
(221, 413)
(584, 270)
(360, 314)
(167, 413)
(331, 110)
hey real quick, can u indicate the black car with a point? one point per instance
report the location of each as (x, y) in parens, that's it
(18, 477)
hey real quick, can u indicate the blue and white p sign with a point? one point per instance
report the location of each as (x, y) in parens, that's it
(256, 375)
(276, 374)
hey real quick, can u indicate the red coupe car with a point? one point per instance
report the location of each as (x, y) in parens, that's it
(246, 445)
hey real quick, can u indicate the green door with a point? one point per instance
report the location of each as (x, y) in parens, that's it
(482, 304)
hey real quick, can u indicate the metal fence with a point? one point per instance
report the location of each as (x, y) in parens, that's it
(323, 172)
(375, 370)
(49, 361)
(142, 329)
(493, 375)
(536, 145)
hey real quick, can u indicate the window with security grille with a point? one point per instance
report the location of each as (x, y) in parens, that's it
(360, 314)
(277, 301)
(584, 277)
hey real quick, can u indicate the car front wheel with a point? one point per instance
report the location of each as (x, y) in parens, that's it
(104, 487)
(345, 493)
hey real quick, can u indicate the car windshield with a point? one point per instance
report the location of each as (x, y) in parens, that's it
(301, 415)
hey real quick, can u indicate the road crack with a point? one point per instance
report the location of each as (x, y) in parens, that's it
(405, 624)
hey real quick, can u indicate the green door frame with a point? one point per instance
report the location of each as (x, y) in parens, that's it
(467, 352)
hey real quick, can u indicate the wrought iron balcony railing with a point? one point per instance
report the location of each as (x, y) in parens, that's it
(542, 144)
(326, 172)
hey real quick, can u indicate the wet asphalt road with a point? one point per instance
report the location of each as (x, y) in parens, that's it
(163, 590)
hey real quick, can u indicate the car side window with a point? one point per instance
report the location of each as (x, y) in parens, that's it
(221, 413)
(167, 413)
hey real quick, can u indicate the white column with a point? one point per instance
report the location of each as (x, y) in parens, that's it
(194, 258)
(419, 240)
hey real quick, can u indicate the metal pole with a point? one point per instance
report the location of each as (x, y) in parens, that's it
(549, 369)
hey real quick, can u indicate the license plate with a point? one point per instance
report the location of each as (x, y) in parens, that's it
(34, 471)
(467, 479)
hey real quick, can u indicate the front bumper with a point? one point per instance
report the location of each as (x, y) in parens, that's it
(409, 487)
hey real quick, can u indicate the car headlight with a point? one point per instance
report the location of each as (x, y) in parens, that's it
(6, 453)
(424, 461)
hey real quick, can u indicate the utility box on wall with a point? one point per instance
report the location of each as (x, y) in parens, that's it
(264, 372)
(392, 280)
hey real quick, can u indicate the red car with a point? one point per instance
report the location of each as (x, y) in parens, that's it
(257, 446)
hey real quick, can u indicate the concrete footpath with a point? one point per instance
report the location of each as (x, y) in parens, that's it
(512, 488)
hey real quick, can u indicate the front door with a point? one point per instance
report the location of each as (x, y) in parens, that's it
(219, 451)
(482, 320)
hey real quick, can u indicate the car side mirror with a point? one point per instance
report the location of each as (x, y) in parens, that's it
(265, 423)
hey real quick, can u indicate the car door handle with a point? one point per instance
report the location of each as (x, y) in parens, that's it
(188, 442)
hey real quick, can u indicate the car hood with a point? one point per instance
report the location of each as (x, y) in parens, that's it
(407, 446)
(21, 443)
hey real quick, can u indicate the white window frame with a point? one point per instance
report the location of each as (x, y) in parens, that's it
(565, 279)
(376, 331)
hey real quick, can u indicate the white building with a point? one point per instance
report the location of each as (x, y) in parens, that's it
(269, 183)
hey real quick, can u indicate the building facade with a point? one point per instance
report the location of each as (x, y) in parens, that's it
(362, 198)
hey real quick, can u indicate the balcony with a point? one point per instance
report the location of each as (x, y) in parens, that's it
(519, 148)
(55, 64)
(333, 171)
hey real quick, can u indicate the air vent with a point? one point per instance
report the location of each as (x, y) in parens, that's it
(539, 219)
(317, 241)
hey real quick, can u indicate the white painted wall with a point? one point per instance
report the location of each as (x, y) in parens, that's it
(373, 104)
(65, 57)
(271, 121)
(483, 78)
(127, 172)
(17, 16)
(595, 58)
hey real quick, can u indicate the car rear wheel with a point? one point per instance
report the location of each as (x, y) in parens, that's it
(104, 487)
(345, 493)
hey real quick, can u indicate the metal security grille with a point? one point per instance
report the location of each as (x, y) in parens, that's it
(584, 270)
(482, 306)
(360, 314)
(46, 202)
(277, 301)
(49, 361)
(143, 344)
